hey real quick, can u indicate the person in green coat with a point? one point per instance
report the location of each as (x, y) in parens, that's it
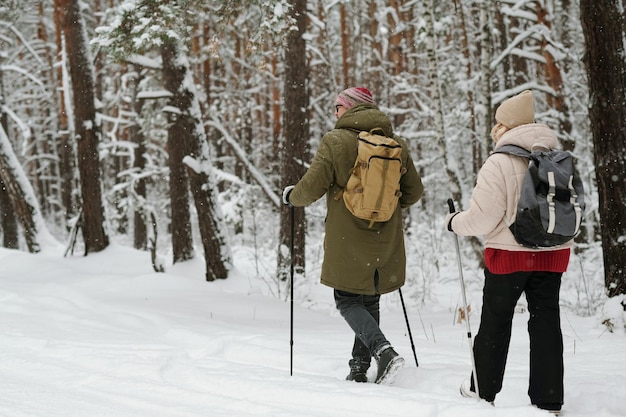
(361, 260)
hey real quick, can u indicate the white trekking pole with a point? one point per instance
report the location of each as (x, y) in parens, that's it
(467, 320)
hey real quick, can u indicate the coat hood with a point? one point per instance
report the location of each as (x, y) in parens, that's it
(529, 135)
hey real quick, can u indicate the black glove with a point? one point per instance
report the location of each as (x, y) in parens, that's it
(286, 193)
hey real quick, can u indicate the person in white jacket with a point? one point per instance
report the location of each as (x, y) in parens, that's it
(512, 269)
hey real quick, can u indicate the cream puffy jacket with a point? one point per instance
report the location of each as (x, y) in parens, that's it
(497, 191)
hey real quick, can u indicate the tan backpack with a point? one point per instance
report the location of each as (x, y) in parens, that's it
(373, 188)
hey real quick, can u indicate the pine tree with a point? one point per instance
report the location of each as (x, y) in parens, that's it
(603, 27)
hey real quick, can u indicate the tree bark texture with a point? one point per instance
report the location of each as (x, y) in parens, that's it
(177, 147)
(554, 79)
(345, 42)
(85, 128)
(603, 28)
(8, 221)
(24, 209)
(296, 136)
(141, 214)
(186, 139)
(65, 150)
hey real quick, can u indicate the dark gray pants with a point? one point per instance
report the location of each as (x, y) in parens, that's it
(362, 314)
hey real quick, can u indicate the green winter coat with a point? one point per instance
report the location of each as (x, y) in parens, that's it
(352, 250)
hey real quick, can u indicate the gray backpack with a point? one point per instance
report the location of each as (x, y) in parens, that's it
(551, 204)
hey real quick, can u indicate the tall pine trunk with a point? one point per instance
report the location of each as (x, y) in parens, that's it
(65, 150)
(19, 196)
(85, 126)
(186, 139)
(180, 127)
(8, 221)
(296, 137)
(602, 23)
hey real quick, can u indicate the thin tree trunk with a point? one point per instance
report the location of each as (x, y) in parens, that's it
(477, 157)
(179, 128)
(433, 78)
(486, 46)
(502, 41)
(555, 80)
(396, 55)
(345, 48)
(186, 139)
(64, 149)
(7, 214)
(22, 200)
(376, 56)
(141, 214)
(213, 241)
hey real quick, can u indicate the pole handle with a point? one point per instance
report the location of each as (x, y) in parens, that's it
(451, 205)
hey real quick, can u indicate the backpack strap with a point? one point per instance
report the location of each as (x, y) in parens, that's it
(513, 150)
(378, 131)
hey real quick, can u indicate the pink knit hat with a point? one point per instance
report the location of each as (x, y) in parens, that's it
(354, 95)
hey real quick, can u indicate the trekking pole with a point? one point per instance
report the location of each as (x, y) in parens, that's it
(407, 326)
(469, 330)
(291, 209)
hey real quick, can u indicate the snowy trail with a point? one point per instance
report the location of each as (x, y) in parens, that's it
(122, 341)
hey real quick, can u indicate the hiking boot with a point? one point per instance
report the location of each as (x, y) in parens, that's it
(389, 365)
(358, 370)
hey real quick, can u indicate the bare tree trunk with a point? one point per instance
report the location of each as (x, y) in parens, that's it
(81, 71)
(433, 78)
(467, 55)
(345, 48)
(555, 80)
(7, 214)
(186, 139)
(8, 221)
(179, 129)
(486, 46)
(214, 244)
(276, 119)
(376, 55)
(396, 56)
(141, 214)
(602, 23)
(502, 41)
(21, 201)
(64, 149)
(296, 131)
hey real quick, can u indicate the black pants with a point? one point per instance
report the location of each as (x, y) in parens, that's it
(491, 345)
(362, 314)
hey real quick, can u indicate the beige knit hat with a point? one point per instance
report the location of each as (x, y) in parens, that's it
(518, 110)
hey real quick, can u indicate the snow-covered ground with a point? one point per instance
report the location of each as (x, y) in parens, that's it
(103, 335)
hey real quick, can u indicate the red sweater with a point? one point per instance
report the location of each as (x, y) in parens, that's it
(500, 261)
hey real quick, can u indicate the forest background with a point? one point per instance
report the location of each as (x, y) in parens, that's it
(174, 125)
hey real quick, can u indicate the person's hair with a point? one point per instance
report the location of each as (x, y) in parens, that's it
(497, 131)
